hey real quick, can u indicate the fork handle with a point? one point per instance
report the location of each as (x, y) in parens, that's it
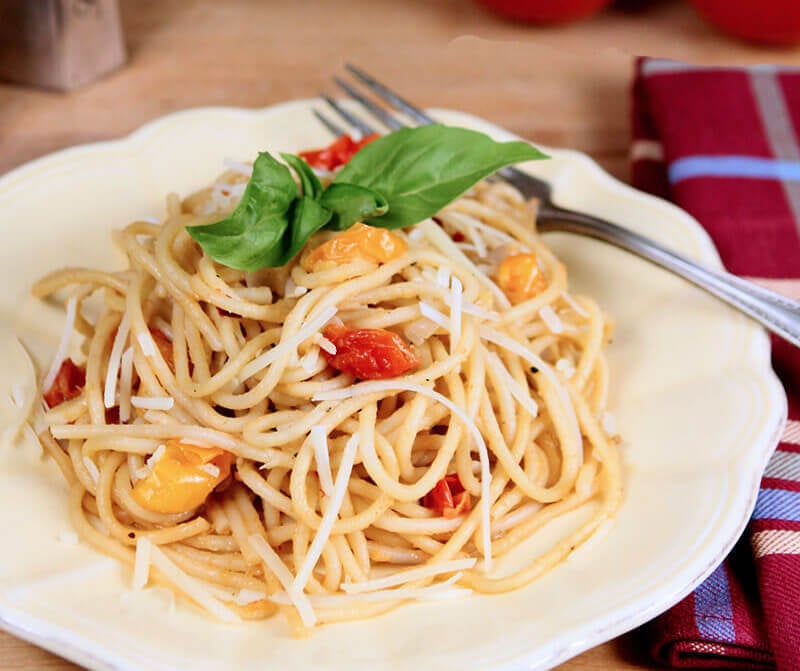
(775, 312)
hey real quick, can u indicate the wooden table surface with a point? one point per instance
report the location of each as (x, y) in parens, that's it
(565, 86)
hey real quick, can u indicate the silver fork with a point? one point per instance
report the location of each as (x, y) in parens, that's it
(777, 313)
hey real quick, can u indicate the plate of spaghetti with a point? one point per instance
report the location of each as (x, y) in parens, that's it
(266, 405)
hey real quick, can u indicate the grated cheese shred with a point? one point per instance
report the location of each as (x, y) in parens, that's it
(319, 441)
(275, 564)
(330, 515)
(417, 573)
(363, 388)
(63, 343)
(153, 402)
(141, 564)
(289, 344)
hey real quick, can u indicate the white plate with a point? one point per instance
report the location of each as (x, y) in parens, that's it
(693, 393)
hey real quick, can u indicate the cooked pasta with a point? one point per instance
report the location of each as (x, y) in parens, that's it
(221, 432)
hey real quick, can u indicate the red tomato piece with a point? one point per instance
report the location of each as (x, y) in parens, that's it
(336, 154)
(68, 383)
(448, 497)
(369, 354)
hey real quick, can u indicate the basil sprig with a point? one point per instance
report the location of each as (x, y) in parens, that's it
(393, 182)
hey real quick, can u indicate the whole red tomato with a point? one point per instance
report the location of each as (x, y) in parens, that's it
(765, 21)
(546, 11)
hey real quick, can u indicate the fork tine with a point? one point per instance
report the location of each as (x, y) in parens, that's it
(335, 129)
(390, 96)
(363, 127)
(370, 106)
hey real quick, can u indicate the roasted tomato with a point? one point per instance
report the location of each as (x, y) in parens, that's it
(448, 498)
(68, 383)
(369, 354)
(182, 478)
(336, 154)
(520, 277)
(360, 241)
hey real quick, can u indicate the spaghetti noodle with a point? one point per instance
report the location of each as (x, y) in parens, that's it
(220, 436)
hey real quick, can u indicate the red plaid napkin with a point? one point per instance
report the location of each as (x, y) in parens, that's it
(723, 144)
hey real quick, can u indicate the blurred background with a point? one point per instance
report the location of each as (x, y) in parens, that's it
(555, 71)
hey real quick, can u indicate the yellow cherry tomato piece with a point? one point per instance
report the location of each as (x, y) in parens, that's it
(520, 277)
(182, 478)
(359, 242)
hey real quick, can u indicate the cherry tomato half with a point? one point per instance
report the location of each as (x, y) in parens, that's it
(337, 153)
(369, 354)
(448, 498)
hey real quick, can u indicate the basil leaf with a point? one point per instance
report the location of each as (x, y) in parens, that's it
(350, 203)
(308, 217)
(309, 181)
(244, 247)
(420, 170)
(252, 236)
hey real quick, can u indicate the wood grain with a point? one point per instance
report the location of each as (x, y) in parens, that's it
(562, 86)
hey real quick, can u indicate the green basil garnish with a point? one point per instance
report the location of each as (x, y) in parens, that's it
(420, 170)
(393, 182)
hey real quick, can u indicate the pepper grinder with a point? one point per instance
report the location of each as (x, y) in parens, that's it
(59, 44)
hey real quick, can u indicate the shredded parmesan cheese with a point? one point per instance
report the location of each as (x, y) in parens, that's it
(164, 326)
(551, 319)
(114, 362)
(190, 586)
(331, 513)
(431, 313)
(153, 402)
(399, 385)
(94, 472)
(408, 575)
(508, 343)
(146, 343)
(415, 234)
(63, 343)
(439, 239)
(523, 396)
(566, 367)
(141, 564)
(419, 330)
(275, 564)
(569, 300)
(152, 460)
(325, 344)
(125, 385)
(456, 299)
(437, 592)
(309, 360)
(289, 344)
(479, 312)
(319, 441)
